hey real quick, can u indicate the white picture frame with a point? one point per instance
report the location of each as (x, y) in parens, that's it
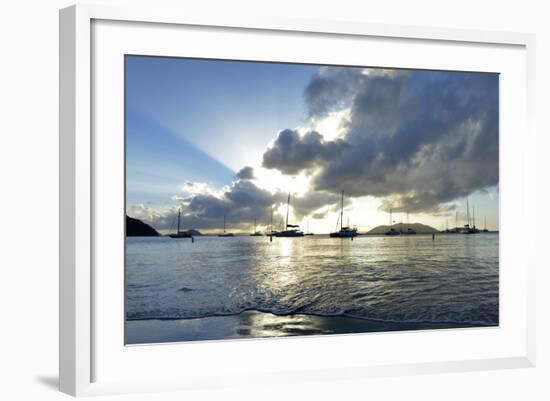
(81, 342)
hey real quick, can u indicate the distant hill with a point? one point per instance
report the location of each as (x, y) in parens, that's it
(137, 228)
(419, 228)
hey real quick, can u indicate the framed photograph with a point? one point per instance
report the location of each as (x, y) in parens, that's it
(290, 199)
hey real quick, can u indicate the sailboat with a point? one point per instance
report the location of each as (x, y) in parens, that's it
(178, 233)
(256, 233)
(392, 231)
(344, 232)
(225, 234)
(291, 230)
(467, 229)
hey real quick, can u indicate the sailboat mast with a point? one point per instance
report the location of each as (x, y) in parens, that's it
(287, 207)
(468, 210)
(342, 213)
(224, 223)
(474, 217)
(271, 221)
(391, 220)
(179, 214)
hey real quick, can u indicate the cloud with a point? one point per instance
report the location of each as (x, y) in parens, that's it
(246, 173)
(199, 188)
(158, 219)
(330, 88)
(417, 139)
(311, 202)
(292, 152)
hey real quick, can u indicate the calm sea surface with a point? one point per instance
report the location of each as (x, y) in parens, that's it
(453, 279)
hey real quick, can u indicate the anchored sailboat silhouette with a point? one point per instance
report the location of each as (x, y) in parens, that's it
(178, 233)
(294, 230)
(225, 234)
(344, 232)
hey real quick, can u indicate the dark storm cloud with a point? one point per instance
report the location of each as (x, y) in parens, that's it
(246, 173)
(417, 139)
(292, 153)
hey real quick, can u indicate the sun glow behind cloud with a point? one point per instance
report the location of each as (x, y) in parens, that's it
(331, 126)
(274, 181)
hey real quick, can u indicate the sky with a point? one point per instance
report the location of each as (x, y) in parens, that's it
(234, 138)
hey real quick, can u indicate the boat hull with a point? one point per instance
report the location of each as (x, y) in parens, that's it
(181, 235)
(289, 234)
(343, 235)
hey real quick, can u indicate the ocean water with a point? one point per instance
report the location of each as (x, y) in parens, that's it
(412, 279)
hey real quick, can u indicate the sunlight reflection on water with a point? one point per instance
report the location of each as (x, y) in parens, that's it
(404, 279)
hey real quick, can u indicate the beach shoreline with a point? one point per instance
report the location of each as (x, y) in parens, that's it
(255, 324)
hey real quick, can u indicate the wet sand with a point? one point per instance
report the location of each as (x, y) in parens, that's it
(254, 324)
